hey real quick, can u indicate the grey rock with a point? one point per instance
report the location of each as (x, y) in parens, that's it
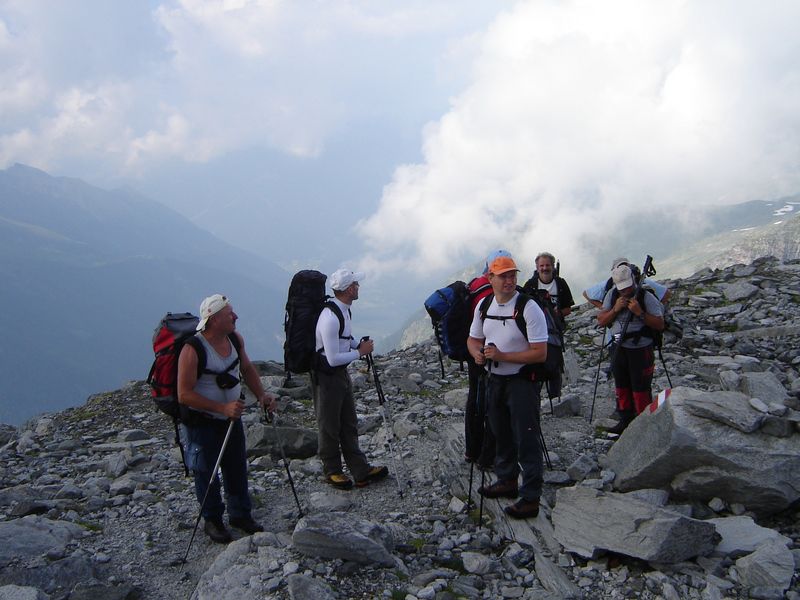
(582, 467)
(298, 442)
(33, 536)
(765, 386)
(741, 535)
(16, 592)
(771, 565)
(302, 587)
(699, 458)
(588, 521)
(345, 536)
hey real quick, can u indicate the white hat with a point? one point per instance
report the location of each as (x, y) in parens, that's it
(619, 261)
(344, 278)
(622, 277)
(209, 307)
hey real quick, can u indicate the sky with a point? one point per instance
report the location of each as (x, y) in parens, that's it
(409, 138)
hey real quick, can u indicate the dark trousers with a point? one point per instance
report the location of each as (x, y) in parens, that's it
(478, 437)
(203, 443)
(514, 416)
(337, 424)
(633, 377)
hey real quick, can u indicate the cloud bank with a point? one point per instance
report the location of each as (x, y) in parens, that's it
(580, 114)
(118, 87)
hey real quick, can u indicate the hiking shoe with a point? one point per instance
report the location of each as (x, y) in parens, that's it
(523, 509)
(246, 524)
(500, 489)
(339, 481)
(217, 531)
(374, 474)
(625, 419)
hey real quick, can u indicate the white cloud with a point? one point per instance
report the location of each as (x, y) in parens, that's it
(204, 79)
(580, 113)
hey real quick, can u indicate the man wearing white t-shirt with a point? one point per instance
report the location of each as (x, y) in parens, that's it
(496, 341)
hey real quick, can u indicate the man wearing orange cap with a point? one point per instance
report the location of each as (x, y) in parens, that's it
(496, 340)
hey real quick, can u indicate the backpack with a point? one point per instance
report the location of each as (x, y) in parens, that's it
(304, 303)
(450, 310)
(554, 363)
(173, 332)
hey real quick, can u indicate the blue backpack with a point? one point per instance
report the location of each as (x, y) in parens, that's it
(450, 313)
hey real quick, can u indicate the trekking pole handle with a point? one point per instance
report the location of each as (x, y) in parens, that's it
(493, 345)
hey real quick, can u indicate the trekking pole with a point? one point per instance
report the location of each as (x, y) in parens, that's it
(386, 420)
(480, 401)
(663, 364)
(544, 447)
(208, 489)
(272, 418)
(480, 510)
(597, 376)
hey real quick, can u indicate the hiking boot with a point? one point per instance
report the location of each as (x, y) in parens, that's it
(339, 481)
(246, 524)
(500, 489)
(217, 531)
(374, 474)
(624, 420)
(523, 509)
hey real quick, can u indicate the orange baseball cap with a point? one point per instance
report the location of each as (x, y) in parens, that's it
(502, 264)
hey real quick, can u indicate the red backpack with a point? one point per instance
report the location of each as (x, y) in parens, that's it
(173, 332)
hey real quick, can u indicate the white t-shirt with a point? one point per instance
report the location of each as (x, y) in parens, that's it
(505, 334)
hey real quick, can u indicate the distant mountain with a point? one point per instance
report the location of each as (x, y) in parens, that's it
(87, 273)
(780, 239)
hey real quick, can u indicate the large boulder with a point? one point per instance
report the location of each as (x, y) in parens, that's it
(701, 445)
(297, 442)
(588, 522)
(345, 536)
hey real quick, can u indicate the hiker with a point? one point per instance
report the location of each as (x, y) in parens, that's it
(211, 403)
(546, 283)
(633, 360)
(506, 351)
(554, 289)
(333, 392)
(478, 438)
(596, 293)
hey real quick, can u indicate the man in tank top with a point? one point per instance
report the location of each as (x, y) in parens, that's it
(211, 401)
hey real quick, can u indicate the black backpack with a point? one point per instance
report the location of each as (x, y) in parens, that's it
(554, 363)
(172, 333)
(304, 303)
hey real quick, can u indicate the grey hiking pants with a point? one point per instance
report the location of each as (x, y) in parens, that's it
(337, 424)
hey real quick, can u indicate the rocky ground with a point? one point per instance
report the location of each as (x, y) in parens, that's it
(94, 502)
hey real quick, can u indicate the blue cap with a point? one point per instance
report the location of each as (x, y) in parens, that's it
(494, 255)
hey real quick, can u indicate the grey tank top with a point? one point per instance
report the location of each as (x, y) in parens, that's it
(207, 383)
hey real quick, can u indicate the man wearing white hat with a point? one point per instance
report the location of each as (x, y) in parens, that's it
(211, 400)
(333, 391)
(633, 360)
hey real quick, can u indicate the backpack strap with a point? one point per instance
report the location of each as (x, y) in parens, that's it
(202, 358)
(518, 316)
(339, 315)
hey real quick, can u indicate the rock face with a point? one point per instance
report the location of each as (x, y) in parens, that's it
(703, 445)
(588, 522)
